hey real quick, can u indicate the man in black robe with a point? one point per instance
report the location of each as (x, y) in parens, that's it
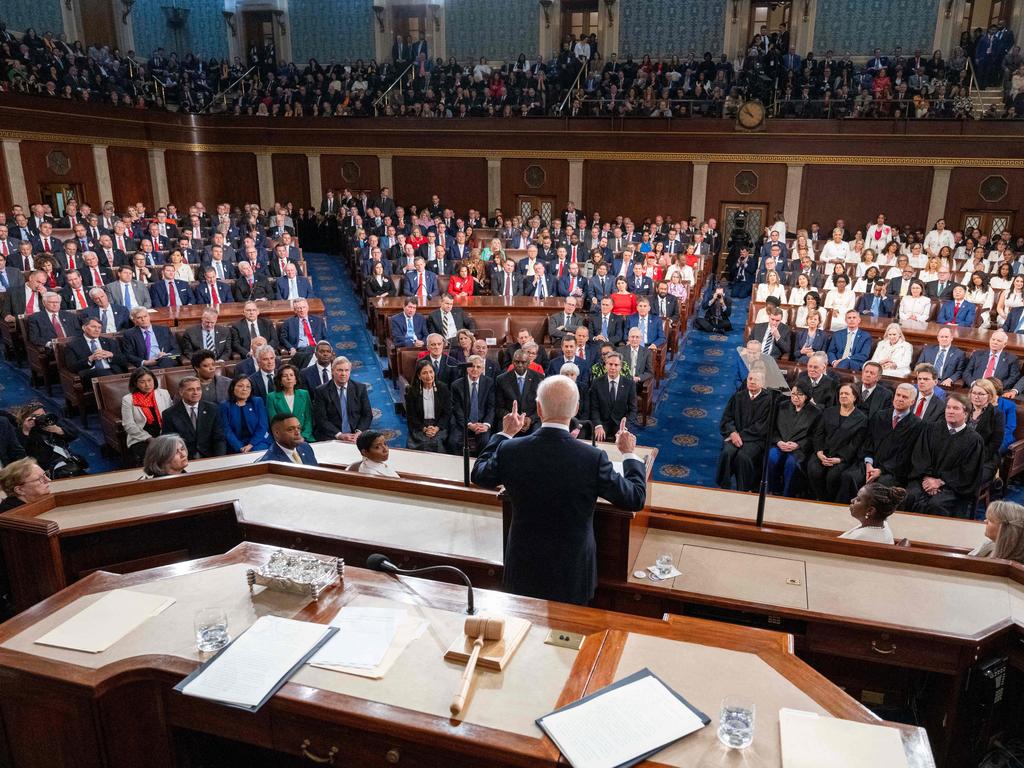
(743, 427)
(945, 467)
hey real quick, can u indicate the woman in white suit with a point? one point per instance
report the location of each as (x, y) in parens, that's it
(893, 352)
(141, 411)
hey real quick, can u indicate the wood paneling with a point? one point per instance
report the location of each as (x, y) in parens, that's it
(82, 170)
(213, 177)
(350, 172)
(858, 195)
(6, 198)
(98, 22)
(770, 191)
(964, 194)
(636, 189)
(556, 182)
(129, 177)
(291, 180)
(460, 182)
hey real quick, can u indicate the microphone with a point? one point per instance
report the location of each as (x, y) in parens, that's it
(593, 437)
(379, 562)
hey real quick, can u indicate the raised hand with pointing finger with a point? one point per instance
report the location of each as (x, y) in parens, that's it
(625, 440)
(514, 421)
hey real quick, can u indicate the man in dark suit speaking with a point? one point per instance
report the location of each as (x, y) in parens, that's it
(551, 553)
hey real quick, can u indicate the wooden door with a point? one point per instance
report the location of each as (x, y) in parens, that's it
(408, 21)
(58, 195)
(579, 17)
(258, 28)
(757, 218)
(542, 205)
(991, 223)
(98, 22)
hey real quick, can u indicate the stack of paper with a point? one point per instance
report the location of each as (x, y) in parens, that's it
(250, 670)
(603, 730)
(810, 741)
(96, 628)
(369, 640)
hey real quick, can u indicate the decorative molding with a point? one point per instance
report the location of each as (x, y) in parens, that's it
(126, 10)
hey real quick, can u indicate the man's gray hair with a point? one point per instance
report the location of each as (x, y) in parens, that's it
(558, 397)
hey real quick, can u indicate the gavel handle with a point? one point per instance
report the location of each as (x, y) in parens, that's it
(467, 678)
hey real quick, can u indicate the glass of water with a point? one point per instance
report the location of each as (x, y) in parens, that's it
(736, 723)
(663, 565)
(211, 626)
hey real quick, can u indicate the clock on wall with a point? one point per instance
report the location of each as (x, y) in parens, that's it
(750, 116)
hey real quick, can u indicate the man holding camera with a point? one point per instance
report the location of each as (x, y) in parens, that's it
(716, 306)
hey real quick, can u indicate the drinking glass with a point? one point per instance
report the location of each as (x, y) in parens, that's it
(736, 723)
(211, 626)
(663, 565)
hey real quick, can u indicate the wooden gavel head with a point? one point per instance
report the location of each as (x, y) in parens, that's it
(485, 627)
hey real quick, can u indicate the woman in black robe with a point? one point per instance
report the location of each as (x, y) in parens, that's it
(791, 441)
(837, 440)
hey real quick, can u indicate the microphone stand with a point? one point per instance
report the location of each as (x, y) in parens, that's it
(762, 494)
(465, 422)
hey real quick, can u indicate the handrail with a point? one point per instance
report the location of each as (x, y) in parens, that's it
(225, 90)
(972, 82)
(394, 82)
(575, 86)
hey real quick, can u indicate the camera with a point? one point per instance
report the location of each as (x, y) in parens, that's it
(46, 420)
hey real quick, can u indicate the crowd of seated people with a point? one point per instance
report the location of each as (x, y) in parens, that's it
(412, 83)
(866, 402)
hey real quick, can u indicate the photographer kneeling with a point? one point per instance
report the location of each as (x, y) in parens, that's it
(49, 443)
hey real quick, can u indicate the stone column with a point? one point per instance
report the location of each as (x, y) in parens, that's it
(791, 209)
(16, 173)
(937, 201)
(265, 178)
(699, 190)
(316, 191)
(387, 174)
(158, 177)
(493, 184)
(99, 159)
(576, 183)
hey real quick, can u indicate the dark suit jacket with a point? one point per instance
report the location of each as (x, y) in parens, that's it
(77, 352)
(261, 289)
(880, 399)
(530, 287)
(507, 391)
(616, 332)
(671, 306)
(134, 344)
(274, 453)
(411, 282)
(964, 318)
(241, 340)
(398, 329)
(780, 347)
(885, 308)
(931, 290)
(302, 283)
(551, 552)
(952, 366)
(461, 319)
(819, 344)
(291, 330)
(1013, 320)
(203, 441)
(655, 329)
(609, 414)
(823, 395)
(202, 293)
(40, 329)
(192, 341)
(121, 316)
(498, 283)
(327, 410)
(1007, 368)
(160, 298)
(414, 409)
(889, 448)
(485, 402)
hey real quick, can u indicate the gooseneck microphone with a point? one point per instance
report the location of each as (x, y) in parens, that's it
(378, 562)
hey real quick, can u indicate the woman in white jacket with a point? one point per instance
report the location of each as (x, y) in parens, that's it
(893, 352)
(141, 411)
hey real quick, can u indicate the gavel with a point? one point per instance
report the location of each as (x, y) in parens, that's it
(482, 628)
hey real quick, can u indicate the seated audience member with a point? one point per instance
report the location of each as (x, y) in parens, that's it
(566, 322)
(427, 411)
(244, 418)
(985, 418)
(871, 508)
(850, 347)
(652, 328)
(53, 323)
(518, 385)
(169, 290)
(373, 447)
(207, 336)
(957, 310)
(663, 303)
(408, 329)
(73, 295)
(379, 282)
(127, 292)
(636, 358)
(262, 378)
(572, 371)
(889, 440)
(842, 301)
(91, 355)
(420, 283)
(22, 481)
(480, 349)
(773, 335)
(893, 352)
(1009, 409)
(152, 346)
(948, 361)
(748, 358)
(287, 443)
(318, 372)
(945, 466)
(822, 387)
(612, 399)
(929, 405)
(213, 291)
(463, 346)
(198, 423)
(995, 362)
(166, 455)
(141, 412)
(300, 333)
(341, 407)
(605, 325)
(1004, 532)
(809, 339)
(569, 355)
(292, 286)
(716, 306)
(448, 319)
(873, 395)
(876, 303)
(112, 318)
(743, 427)
(248, 327)
(479, 417)
(250, 286)
(290, 398)
(795, 422)
(446, 369)
(507, 281)
(836, 444)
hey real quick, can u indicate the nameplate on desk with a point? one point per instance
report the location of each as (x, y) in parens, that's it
(256, 664)
(811, 741)
(96, 628)
(622, 724)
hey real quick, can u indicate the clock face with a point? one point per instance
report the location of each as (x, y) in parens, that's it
(751, 114)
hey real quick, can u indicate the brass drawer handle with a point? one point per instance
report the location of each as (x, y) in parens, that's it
(883, 651)
(393, 756)
(314, 757)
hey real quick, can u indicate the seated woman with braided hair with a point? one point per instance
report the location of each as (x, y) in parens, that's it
(1004, 532)
(871, 507)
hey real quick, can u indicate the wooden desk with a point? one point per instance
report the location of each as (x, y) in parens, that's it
(190, 314)
(483, 309)
(117, 708)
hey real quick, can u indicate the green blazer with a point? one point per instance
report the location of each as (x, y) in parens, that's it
(302, 410)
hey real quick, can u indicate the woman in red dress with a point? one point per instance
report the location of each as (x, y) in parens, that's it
(623, 302)
(461, 283)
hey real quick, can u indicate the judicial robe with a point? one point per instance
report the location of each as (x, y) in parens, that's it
(956, 460)
(836, 436)
(793, 426)
(748, 417)
(890, 450)
(990, 427)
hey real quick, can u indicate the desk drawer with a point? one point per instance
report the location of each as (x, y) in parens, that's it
(884, 647)
(328, 744)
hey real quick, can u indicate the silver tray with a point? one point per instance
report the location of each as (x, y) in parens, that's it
(297, 574)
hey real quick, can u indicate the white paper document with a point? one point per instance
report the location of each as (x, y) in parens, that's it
(811, 741)
(96, 628)
(252, 666)
(607, 731)
(363, 638)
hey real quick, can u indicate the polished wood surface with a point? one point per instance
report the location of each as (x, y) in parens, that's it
(554, 183)
(770, 191)
(635, 189)
(291, 179)
(460, 182)
(129, 175)
(858, 195)
(342, 171)
(82, 168)
(81, 703)
(229, 176)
